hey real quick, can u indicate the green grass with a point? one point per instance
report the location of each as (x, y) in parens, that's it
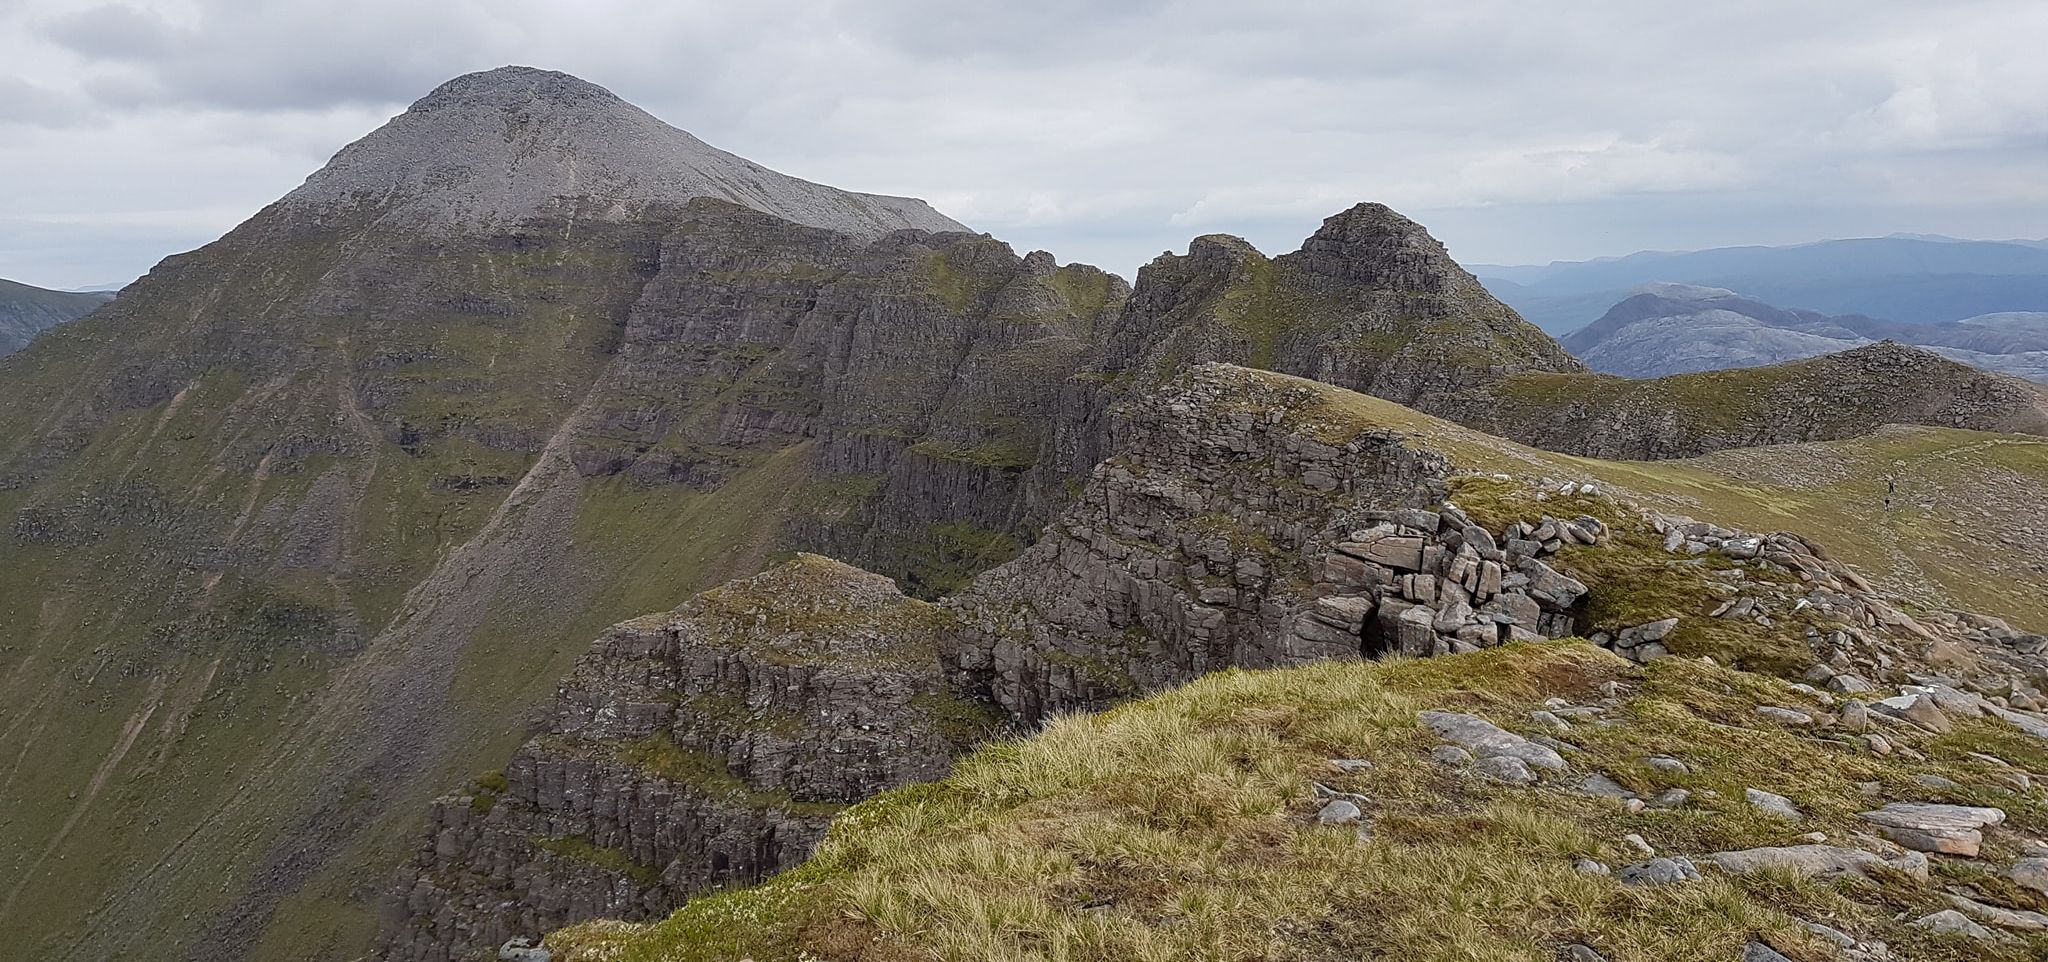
(583, 850)
(660, 756)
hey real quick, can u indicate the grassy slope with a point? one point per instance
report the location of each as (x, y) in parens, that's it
(141, 698)
(1180, 827)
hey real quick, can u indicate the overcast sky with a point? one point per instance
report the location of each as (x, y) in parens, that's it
(1517, 130)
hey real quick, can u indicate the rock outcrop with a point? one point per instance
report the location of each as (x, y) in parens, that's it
(708, 746)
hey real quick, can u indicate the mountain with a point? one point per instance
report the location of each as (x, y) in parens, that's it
(1248, 520)
(306, 528)
(304, 524)
(27, 311)
(1913, 280)
(1675, 328)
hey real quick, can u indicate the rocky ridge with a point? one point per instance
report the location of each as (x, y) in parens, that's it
(27, 311)
(707, 747)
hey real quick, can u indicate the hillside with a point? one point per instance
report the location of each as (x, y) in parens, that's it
(28, 311)
(1268, 522)
(1908, 279)
(1674, 328)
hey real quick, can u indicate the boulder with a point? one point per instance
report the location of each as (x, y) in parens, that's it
(1488, 740)
(1660, 871)
(1952, 922)
(1777, 805)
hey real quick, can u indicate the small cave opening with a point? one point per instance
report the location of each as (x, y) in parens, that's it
(1374, 643)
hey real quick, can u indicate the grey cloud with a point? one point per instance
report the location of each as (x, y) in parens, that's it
(1109, 132)
(113, 32)
(22, 102)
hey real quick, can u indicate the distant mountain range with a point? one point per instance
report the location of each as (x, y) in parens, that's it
(1664, 328)
(1911, 279)
(27, 311)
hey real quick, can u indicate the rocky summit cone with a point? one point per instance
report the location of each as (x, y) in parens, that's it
(498, 147)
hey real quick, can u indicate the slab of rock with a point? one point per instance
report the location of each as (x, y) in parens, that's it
(1579, 952)
(1670, 798)
(1552, 589)
(1601, 785)
(1812, 861)
(1928, 827)
(1784, 716)
(1921, 710)
(2004, 918)
(1488, 740)
(1667, 765)
(1506, 768)
(2031, 872)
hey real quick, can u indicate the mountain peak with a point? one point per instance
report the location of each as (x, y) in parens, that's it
(1373, 244)
(490, 150)
(516, 84)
